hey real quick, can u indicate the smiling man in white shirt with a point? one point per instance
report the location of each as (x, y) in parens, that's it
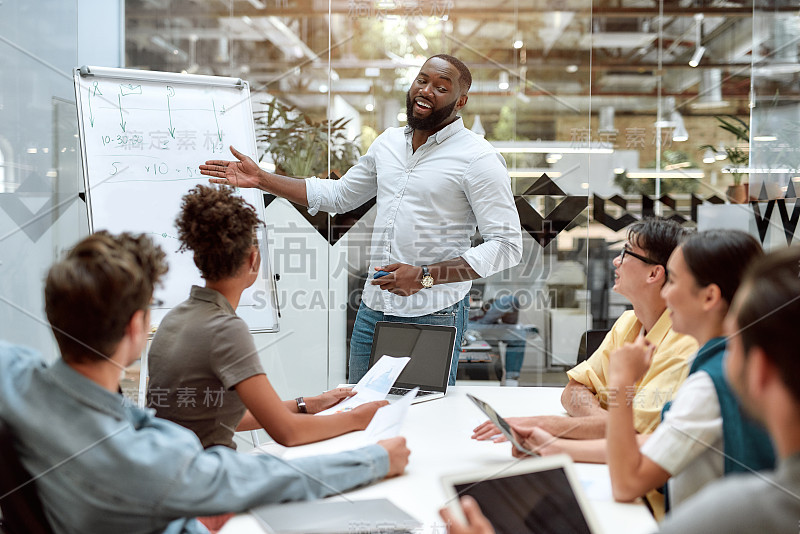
(434, 182)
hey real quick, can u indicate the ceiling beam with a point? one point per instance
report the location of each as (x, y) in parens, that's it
(493, 12)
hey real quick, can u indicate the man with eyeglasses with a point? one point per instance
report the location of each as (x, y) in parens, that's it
(639, 274)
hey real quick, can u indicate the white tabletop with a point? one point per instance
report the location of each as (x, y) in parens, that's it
(438, 434)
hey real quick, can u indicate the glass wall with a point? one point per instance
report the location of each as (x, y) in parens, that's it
(40, 212)
(606, 112)
(774, 171)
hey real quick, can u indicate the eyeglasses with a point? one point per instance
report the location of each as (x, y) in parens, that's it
(629, 252)
(156, 303)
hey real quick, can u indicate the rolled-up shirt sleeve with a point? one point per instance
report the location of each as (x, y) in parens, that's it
(358, 185)
(488, 189)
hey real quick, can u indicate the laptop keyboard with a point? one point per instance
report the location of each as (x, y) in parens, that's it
(402, 391)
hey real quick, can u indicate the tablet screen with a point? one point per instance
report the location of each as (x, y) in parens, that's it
(541, 502)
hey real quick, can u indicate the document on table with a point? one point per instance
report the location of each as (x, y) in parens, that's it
(388, 421)
(374, 385)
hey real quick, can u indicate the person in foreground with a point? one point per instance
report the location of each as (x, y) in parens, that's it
(434, 181)
(102, 465)
(203, 347)
(763, 369)
(640, 273)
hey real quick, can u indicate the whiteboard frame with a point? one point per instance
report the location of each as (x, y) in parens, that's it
(173, 78)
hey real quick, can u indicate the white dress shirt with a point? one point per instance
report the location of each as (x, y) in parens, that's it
(429, 203)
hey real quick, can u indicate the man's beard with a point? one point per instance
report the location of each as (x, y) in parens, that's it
(431, 121)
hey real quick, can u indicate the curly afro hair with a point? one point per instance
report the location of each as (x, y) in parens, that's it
(218, 227)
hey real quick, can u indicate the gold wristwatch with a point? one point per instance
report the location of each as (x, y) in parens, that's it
(427, 278)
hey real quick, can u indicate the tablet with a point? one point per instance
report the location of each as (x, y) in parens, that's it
(537, 495)
(500, 423)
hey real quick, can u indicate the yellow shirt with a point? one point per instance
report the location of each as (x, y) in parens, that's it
(667, 371)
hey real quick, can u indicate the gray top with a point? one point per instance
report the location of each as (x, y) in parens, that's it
(744, 503)
(201, 350)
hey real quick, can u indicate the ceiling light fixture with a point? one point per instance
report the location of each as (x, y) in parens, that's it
(534, 174)
(699, 48)
(721, 154)
(709, 156)
(679, 134)
(697, 56)
(665, 174)
(503, 82)
(547, 150)
(518, 43)
(477, 126)
(169, 47)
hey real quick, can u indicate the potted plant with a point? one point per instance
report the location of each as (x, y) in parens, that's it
(299, 145)
(738, 192)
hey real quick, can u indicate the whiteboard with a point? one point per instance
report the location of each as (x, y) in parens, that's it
(143, 135)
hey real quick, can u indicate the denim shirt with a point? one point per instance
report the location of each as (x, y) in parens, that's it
(103, 465)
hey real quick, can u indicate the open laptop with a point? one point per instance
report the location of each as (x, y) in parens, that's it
(430, 348)
(540, 495)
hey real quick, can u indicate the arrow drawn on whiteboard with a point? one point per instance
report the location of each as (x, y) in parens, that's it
(170, 92)
(121, 120)
(214, 105)
(93, 91)
(89, 100)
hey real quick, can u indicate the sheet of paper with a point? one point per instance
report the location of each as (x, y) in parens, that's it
(374, 385)
(388, 421)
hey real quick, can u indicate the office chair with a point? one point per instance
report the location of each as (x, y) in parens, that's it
(590, 342)
(22, 510)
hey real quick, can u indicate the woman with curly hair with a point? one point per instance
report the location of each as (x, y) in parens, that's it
(205, 373)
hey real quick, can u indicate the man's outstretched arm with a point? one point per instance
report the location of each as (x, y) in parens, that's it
(246, 173)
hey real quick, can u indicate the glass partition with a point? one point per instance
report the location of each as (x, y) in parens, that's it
(774, 170)
(40, 210)
(605, 112)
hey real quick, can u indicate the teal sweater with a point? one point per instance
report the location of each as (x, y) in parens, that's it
(746, 444)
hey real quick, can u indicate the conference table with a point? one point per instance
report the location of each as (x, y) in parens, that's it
(438, 434)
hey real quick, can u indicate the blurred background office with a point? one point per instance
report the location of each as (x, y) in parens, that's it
(606, 111)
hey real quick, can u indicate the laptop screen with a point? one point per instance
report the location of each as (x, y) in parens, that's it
(542, 502)
(430, 348)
